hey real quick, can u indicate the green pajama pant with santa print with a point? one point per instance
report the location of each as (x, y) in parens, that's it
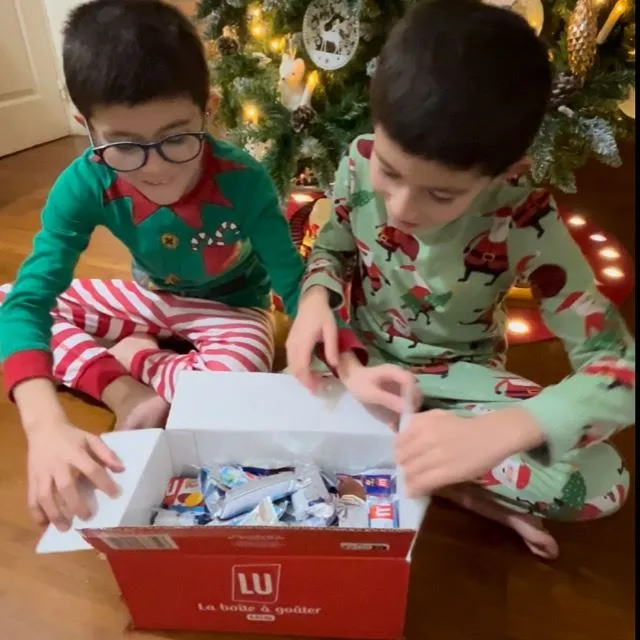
(590, 482)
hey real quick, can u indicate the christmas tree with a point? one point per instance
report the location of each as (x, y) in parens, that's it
(292, 79)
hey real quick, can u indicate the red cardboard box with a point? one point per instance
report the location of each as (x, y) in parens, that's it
(269, 580)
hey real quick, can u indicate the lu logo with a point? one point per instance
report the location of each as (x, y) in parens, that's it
(256, 583)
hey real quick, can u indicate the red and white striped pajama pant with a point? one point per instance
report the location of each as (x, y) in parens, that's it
(92, 314)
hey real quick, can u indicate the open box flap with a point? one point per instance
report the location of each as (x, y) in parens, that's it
(266, 402)
(134, 448)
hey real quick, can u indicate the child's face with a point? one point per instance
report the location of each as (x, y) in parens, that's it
(160, 181)
(420, 194)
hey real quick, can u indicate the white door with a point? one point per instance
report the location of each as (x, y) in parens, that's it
(32, 108)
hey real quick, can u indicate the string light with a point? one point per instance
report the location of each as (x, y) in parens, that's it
(518, 327)
(277, 44)
(312, 82)
(300, 197)
(598, 237)
(613, 273)
(250, 113)
(258, 30)
(609, 253)
(577, 221)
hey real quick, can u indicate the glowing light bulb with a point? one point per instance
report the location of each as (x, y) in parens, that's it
(577, 221)
(609, 253)
(277, 44)
(258, 30)
(613, 273)
(250, 113)
(302, 197)
(598, 237)
(519, 327)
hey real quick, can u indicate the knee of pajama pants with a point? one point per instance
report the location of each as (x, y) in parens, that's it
(606, 479)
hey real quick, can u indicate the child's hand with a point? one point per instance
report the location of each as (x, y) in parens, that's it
(314, 324)
(58, 454)
(440, 449)
(385, 385)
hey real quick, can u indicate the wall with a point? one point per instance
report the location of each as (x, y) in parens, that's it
(57, 11)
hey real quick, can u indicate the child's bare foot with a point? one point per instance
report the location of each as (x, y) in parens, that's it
(125, 350)
(530, 527)
(135, 405)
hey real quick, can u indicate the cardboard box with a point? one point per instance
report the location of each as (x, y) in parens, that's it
(270, 580)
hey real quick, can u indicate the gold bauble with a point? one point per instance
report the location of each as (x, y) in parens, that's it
(628, 105)
(582, 32)
(531, 10)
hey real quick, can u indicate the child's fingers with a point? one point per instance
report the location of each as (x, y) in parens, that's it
(390, 401)
(37, 513)
(67, 486)
(96, 473)
(101, 452)
(330, 340)
(49, 504)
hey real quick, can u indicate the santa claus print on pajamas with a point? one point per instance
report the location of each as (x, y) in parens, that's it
(434, 303)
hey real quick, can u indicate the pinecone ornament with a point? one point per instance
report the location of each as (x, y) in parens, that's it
(301, 118)
(227, 45)
(582, 32)
(564, 87)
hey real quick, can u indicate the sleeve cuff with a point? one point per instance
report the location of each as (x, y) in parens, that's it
(329, 282)
(26, 365)
(347, 341)
(561, 422)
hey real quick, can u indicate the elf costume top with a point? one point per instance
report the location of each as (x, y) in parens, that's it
(226, 240)
(433, 301)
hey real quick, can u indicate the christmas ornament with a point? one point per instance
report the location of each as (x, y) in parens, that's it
(531, 10)
(292, 88)
(227, 44)
(620, 8)
(301, 118)
(210, 49)
(564, 87)
(258, 149)
(372, 67)
(581, 38)
(331, 32)
(311, 148)
(628, 106)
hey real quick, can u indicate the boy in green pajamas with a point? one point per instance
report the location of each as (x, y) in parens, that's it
(201, 220)
(440, 224)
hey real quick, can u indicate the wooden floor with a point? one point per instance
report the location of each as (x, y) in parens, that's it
(472, 580)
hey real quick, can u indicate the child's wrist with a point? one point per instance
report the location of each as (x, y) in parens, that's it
(315, 292)
(514, 428)
(348, 362)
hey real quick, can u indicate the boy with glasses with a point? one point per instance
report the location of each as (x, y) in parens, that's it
(201, 220)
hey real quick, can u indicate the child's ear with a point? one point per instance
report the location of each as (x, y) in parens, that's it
(213, 103)
(80, 120)
(518, 169)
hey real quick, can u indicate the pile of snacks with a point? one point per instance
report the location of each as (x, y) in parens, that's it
(300, 496)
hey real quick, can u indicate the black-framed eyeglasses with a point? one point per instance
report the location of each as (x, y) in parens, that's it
(177, 148)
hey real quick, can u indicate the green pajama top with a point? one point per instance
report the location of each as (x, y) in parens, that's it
(429, 300)
(226, 240)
